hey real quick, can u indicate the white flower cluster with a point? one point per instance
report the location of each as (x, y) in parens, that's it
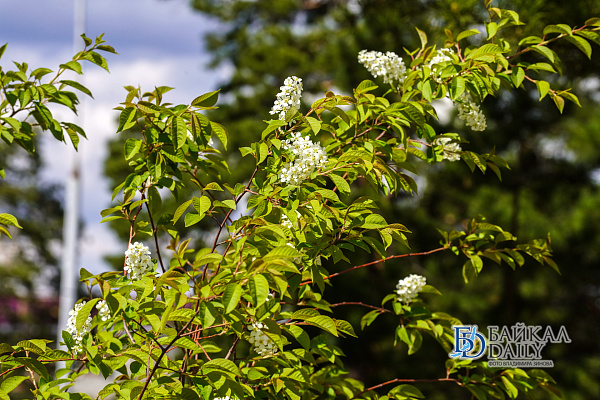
(103, 310)
(388, 65)
(72, 327)
(285, 221)
(440, 56)
(226, 398)
(469, 112)
(408, 287)
(263, 344)
(137, 260)
(306, 158)
(288, 97)
(451, 150)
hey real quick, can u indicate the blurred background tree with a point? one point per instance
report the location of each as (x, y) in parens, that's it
(28, 264)
(552, 186)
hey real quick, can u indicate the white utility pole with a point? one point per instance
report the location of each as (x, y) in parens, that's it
(68, 278)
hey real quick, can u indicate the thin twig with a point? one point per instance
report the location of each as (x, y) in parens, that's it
(425, 253)
(407, 381)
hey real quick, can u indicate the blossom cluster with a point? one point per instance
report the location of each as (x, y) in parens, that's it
(288, 97)
(440, 56)
(407, 288)
(451, 150)
(388, 65)
(263, 344)
(72, 327)
(137, 260)
(469, 112)
(306, 158)
(285, 221)
(103, 310)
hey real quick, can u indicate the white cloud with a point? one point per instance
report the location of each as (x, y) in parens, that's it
(159, 44)
(99, 119)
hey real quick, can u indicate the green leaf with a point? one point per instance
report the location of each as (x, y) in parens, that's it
(511, 389)
(282, 252)
(259, 289)
(231, 296)
(560, 102)
(77, 86)
(132, 147)
(225, 203)
(154, 201)
(407, 392)
(192, 219)
(315, 124)
(581, 44)
(6, 348)
(180, 210)
(9, 384)
(469, 272)
(95, 58)
(491, 28)
(188, 394)
(34, 365)
(34, 345)
(263, 151)
(569, 96)
(422, 37)
(72, 65)
(107, 48)
(207, 99)
(324, 322)
(518, 76)
(543, 88)
(273, 125)
(466, 34)
(340, 183)
(344, 327)
(366, 86)
(590, 22)
(127, 119)
(560, 29)
(213, 186)
(457, 87)
(207, 314)
(84, 313)
(374, 221)
(40, 72)
(221, 364)
(179, 132)
(368, 318)
(220, 131)
(546, 52)
(201, 204)
(300, 335)
(9, 220)
(86, 40)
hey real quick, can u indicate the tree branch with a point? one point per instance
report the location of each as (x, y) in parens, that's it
(424, 253)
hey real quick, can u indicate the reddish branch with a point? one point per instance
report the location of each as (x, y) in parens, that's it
(398, 380)
(358, 303)
(424, 253)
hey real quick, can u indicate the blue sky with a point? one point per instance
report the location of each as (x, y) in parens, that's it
(159, 43)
